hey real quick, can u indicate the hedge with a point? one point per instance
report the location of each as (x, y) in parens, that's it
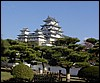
(91, 73)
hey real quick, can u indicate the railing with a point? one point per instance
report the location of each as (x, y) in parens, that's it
(49, 77)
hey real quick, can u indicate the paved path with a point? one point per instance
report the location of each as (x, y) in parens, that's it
(77, 79)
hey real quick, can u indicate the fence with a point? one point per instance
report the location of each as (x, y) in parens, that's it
(47, 76)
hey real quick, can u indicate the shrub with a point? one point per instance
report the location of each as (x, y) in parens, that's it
(91, 73)
(4, 59)
(22, 72)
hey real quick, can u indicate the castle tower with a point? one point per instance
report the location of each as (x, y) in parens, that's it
(51, 30)
(24, 35)
(39, 37)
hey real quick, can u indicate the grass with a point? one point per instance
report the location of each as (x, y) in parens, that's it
(5, 75)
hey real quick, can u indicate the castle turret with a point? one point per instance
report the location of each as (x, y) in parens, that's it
(51, 30)
(24, 35)
(39, 37)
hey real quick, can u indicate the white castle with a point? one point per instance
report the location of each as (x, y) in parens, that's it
(47, 35)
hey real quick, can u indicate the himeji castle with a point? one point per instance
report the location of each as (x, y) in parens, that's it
(46, 35)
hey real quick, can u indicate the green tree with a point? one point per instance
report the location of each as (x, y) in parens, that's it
(91, 40)
(4, 46)
(91, 74)
(80, 47)
(42, 59)
(67, 57)
(69, 54)
(66, 41)
(78, 56)
(94, 50)
(4, 59)
(61, 55)
(32, 44)
(12, 42)
(22, 73)
(70, 40)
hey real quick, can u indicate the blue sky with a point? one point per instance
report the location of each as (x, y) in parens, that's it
(77, 18)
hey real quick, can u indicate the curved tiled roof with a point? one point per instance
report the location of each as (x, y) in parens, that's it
(50, 19)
